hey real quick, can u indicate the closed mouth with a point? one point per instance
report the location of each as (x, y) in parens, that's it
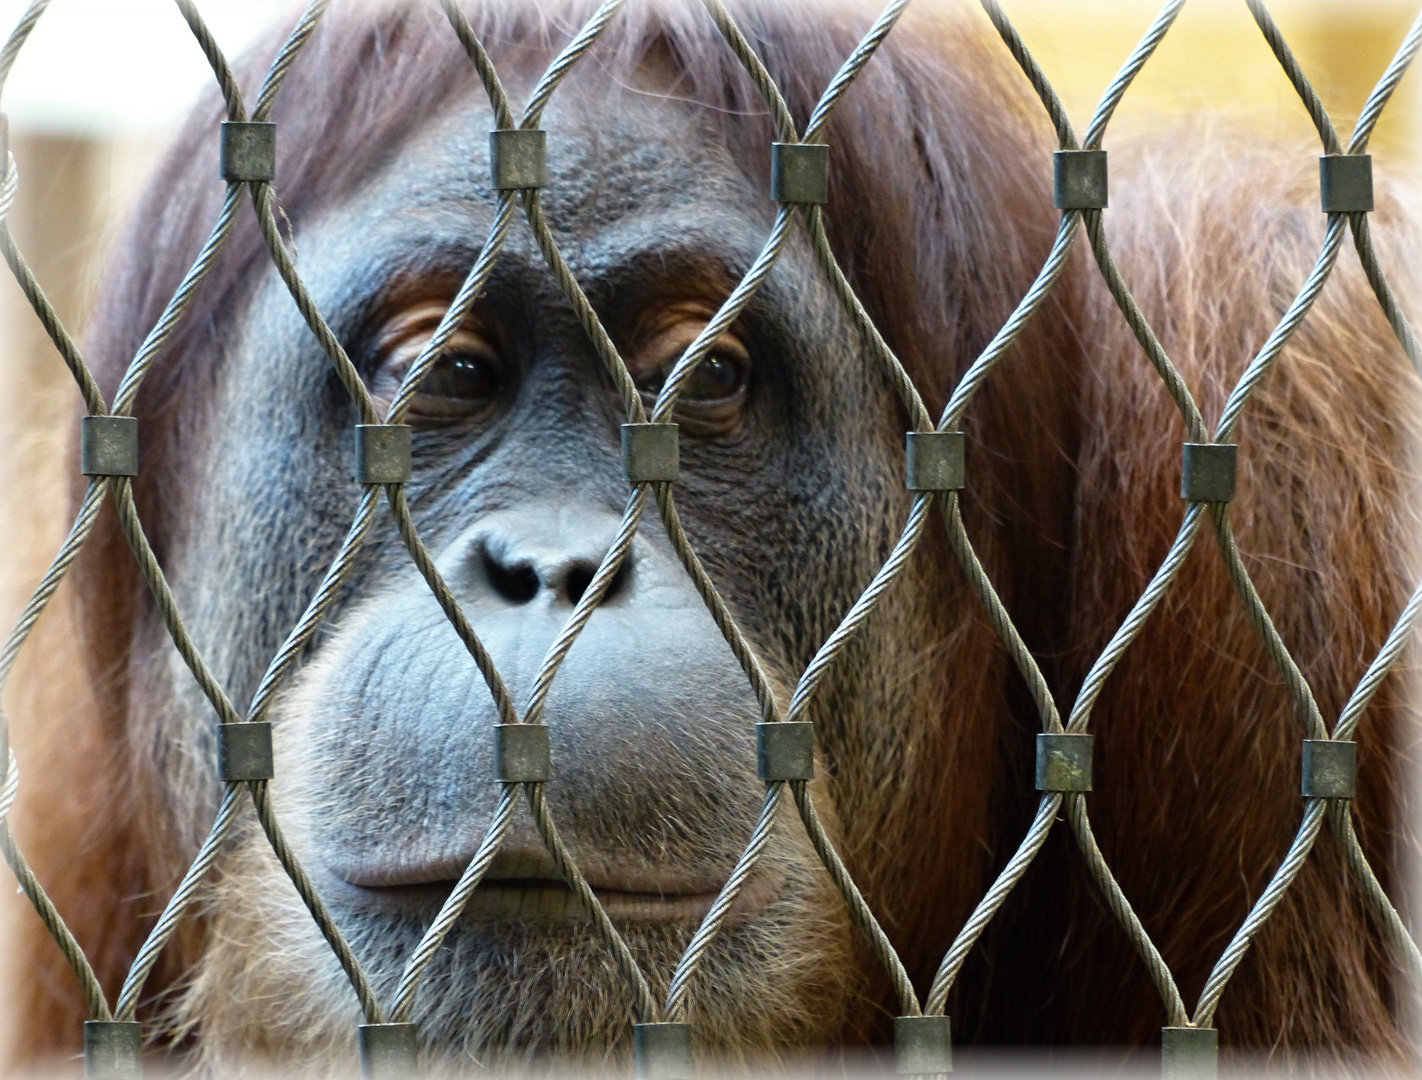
(539, 900)
(544, 898)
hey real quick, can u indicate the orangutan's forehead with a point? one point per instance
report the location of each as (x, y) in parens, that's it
(636, 184)
(610, 151)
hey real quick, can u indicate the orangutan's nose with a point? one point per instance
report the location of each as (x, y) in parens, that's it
(554, 553)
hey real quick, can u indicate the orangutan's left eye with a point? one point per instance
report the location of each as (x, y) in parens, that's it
(715, 391)
(717, 378)
(468, 378)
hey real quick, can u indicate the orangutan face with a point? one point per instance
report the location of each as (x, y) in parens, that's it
(385, 773)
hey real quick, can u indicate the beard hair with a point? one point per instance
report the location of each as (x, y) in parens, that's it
(269, 992)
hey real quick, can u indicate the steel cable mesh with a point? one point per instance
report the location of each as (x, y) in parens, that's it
(678, 1006)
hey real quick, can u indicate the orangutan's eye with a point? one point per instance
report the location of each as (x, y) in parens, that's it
(468, 377)
(458, 385)
(718, 378)
(715, 391)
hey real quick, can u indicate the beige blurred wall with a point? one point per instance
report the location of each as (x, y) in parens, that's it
(72, 195)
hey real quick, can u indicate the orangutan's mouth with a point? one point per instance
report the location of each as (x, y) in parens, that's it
(536, 900)
(526, 887)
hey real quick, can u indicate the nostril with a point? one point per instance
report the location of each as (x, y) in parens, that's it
(580, 577)
(577, 582)
(518, 584)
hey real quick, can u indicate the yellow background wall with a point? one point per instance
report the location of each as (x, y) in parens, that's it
(1214, 59)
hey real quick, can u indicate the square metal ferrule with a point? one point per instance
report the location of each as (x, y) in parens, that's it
(785, 750)
(382, 453)
(247, 150)
(387, 1051)
(521, 753)
(663, 1051)
(936, 460)
(923, 1045)
(1330, 769)
(244, 751)
(1064, 761)
(1189, 1053)
(651, 453)
(1209, 472)
(518, 159)
(1079, 179)
(108, 446)
(799, 172)
(113, 1050)
(1345, 183)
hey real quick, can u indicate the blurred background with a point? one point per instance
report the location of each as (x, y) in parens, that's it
(92, 99)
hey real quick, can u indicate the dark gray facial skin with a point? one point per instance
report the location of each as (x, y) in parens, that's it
(384, 749)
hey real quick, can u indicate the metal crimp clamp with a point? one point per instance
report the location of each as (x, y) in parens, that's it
(799, 173)
(108, 446)
(785, 750)
(1330, 769)
(113, 1050)
(1064, 761)
(1345, 183)
(936, 460)
(247, 150)
(651, 452)
(663, 1051)
(1189, 1053)
(521, 753)
(387, 1051)
(1079, 179)
(382, 454)
(923, 1045)
(1209, 472)
(518, 159)
(244, 751)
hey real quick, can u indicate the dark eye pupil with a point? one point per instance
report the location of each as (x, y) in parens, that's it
(715, 377)
(461, 375)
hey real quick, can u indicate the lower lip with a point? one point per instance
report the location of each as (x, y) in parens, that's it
(494, 901)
